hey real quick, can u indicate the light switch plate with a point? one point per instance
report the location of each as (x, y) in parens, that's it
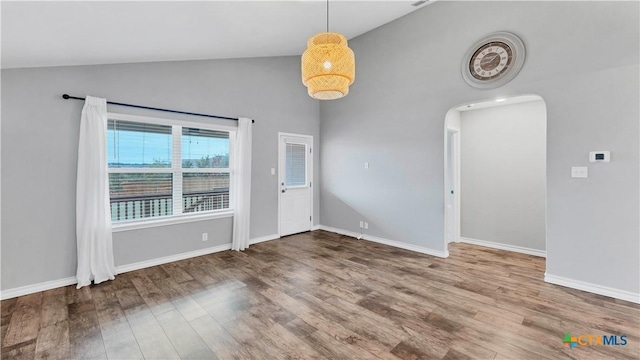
(579, 172)
(273, 171)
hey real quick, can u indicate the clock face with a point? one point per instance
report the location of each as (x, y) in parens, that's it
(493, 60)
(490, 60)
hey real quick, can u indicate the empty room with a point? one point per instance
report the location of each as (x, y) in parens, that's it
(320, 179)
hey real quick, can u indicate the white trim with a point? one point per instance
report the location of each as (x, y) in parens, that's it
(593, 288)
(169, 220)
(393, 243)
(315, 227)
(263, 239)
(233, 169)
(207, 170)
(43, 286)
(410, 247)
(48, 285)
(500, 246)
(169, 170)
(171, 258)
(455, 170)
(340, 231)
(293, 135)
(171, 121)
(176, 170)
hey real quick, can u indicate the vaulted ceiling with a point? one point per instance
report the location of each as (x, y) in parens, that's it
(47, 33)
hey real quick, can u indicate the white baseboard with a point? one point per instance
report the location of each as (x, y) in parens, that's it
(171, 258)
(43, 286)
(339, 231)
(411, 247)
(398, 244)
(315, 227)
(593, 288)
(264, 238)
(48, 285)
(518, 249)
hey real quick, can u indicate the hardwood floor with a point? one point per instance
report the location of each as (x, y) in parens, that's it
(320, 295)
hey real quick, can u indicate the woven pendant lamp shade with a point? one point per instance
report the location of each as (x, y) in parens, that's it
(328, 66)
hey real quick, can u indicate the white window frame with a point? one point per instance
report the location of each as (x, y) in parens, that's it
(177, 170)
(306, 160)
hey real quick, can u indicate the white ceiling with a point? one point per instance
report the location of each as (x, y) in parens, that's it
(47, 33)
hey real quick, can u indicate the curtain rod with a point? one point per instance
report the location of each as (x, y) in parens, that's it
(67, 96)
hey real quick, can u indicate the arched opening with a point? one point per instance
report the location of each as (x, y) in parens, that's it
(495, 174)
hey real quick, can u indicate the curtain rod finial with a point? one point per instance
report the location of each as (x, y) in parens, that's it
(65, 96)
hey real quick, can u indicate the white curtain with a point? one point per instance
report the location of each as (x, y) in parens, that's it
(242, 186)
(93, 215)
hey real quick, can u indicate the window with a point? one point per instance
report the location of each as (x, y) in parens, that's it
(296, 169)
(161, 168)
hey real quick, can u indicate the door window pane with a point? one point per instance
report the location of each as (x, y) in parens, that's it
(296, 167)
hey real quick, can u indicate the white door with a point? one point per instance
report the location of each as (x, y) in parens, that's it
(295, 175)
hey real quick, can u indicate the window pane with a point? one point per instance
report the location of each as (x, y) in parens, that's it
(296, 169)
(205, 192)
(139, 196)
(132, 144)
(205, 148)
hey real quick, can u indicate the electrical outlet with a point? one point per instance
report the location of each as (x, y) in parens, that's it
(205, 236)
(361, 224)
(579, 172)
(366, 225)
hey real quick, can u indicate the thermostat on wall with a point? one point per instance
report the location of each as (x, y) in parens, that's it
(599, 156)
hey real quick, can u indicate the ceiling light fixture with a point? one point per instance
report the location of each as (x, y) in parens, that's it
(328, 65)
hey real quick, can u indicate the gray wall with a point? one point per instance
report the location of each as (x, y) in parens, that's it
(408, 77)
(503, 174)
(40, 140)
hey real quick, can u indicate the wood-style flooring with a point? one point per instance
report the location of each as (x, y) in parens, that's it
(320, 295)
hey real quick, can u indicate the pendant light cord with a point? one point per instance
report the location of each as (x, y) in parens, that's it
(327, 15)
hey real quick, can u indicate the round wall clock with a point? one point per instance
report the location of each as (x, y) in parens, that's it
(493, 60)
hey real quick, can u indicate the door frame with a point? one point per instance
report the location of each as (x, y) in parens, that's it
(281, 175)
(455, 173)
